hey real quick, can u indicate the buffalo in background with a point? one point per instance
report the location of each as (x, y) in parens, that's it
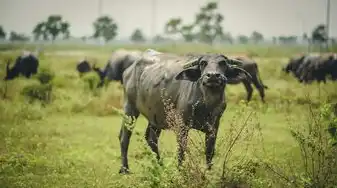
(308, 68)
(119, 61)
(83, 66)
(26, 64)
(251, 67)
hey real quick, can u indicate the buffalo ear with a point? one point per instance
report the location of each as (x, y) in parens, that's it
(235, 73)
(191, 74)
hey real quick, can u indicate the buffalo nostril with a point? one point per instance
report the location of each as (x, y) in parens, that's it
(217, 75)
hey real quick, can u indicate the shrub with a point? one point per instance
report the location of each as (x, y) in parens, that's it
(91, 81)
(318, 153)
(45, 75)
(41, 92)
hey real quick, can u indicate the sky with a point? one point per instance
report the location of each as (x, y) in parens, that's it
(270, 17)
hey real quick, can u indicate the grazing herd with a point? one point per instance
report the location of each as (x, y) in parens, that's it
(308, 68)
(193, 83)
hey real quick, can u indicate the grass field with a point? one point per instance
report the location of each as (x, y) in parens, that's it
(73, 140)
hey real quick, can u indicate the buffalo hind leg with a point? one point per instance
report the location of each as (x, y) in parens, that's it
(249, 89)
(125, 134)
(152, 135)
(258, 85)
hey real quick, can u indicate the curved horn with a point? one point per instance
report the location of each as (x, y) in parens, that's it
(244, 71)
(192, 63)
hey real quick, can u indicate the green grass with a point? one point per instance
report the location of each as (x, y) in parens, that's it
(73, 141)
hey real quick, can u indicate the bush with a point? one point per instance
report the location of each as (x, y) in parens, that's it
(41, 92)
(318, 153)
(45, 75)
(91, 81)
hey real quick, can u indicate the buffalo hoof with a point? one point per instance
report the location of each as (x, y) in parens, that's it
(124, 170)
(209, 166)
(160, 162)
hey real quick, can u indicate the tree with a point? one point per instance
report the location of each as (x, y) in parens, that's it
(53, 27)
(256, 37)
(175, 26)
(274, 40)
(209, 23)
(13, 36)
(137, 36)
(305, 37)
(65, 30)
(105, 27)
(40, 30)
(158, 39)
(227, 37)
(243, 39)
(187, 32)
(287, 39)
(2, 33)
(319, 34)
(56, 26)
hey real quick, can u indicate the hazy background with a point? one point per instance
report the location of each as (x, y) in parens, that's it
(270, 17)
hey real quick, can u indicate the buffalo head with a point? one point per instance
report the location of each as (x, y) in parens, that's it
(214, 71)
(11, 72)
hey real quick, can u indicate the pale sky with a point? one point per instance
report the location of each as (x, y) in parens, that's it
(270, 17)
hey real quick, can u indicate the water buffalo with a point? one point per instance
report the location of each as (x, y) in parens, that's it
(251, 66)
(26, 64)
(318, 69)
(194, 84)
(333, 66)
(118, 62)
(83, 66)
(293, 64)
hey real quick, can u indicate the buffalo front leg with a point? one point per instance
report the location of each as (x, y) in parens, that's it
(210, 140)
(152, 135)
(125, 134)
(182, 144)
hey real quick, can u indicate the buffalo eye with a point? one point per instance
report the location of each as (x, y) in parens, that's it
(223, 64)
(203, 63)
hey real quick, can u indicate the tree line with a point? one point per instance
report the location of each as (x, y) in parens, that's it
(206, 28)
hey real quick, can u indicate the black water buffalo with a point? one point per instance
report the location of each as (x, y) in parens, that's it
(316, 68)
(26, 64)
(83, 66)
(308, 68)
(118, 62)
(293, 64)
(194, 84)
(251, 67)
(333, 67)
